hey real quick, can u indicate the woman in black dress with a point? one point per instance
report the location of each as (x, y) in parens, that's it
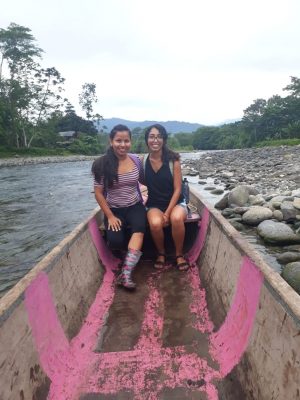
(165, 204)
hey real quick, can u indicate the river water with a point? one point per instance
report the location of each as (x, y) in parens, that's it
(40, 204)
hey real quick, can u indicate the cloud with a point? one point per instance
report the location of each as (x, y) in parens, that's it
(196, 61)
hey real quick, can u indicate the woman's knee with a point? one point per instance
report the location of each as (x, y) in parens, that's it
(115, 240)
(155, 224)
(177, 219)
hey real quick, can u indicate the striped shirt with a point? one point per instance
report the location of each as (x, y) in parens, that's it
(123, 193)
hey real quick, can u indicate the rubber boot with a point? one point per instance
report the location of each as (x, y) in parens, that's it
(131, 259)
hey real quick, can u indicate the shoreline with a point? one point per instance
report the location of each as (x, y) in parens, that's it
(20, 161)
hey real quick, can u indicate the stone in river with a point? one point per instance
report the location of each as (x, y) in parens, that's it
(277, 232)
(291, 273)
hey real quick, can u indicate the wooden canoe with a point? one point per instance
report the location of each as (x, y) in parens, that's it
(229, 328)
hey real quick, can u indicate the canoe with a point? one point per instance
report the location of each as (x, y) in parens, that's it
(229, 328)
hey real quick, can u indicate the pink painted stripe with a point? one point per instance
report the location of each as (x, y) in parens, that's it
(47, 331)
(230, 342)
(105, 255)
(195, 251)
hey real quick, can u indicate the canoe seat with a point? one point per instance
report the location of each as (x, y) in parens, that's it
(193, 217)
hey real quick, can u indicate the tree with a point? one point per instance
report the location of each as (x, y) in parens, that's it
(87, 98)
(31, 92)
(294, 86)
(17, 48)
(252, 115)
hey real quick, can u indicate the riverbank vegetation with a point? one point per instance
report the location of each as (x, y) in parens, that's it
(37, 119)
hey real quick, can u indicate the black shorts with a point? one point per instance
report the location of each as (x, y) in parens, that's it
(133, 218)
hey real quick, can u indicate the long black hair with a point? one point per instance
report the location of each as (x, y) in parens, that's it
(167, 153)
(106, 166)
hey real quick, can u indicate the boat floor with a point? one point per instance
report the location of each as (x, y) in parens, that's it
(154, 342)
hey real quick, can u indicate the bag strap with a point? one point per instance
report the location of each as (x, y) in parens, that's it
(171, 164)
(138, 163)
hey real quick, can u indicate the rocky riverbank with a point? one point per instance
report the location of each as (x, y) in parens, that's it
(262, 191)
(18, 161)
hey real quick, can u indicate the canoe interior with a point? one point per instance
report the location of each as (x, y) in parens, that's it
(226, 329)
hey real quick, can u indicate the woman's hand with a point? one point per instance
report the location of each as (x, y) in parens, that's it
(166, 218)
(114, 223)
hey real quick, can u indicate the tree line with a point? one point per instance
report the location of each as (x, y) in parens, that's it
(33, 109)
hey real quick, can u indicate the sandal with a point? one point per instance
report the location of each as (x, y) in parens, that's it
(183, 266)
(158, 263)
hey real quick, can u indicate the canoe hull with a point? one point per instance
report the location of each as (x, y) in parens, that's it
(60, 306)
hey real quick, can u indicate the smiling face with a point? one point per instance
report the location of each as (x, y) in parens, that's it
(121, 143)
(155, 140)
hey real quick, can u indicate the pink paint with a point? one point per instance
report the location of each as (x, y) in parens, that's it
(50, 338)
(105, 255)
(198, 305)
(230, 342)
(195, 251)
(153, 320)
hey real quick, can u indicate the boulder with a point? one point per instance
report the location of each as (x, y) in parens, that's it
(257, 214)
(288, 257)
(277, 214)
(277, 232)
(238, 196)
(223, 203)
(291, 273)
(289, 212)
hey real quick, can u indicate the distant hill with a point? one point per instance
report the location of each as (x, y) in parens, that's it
(171, 126)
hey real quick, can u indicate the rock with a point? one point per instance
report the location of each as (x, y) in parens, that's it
(238, 196)
(223, 203)
(296, 193)
(257, 200)
(202, 182)
(291, 273)
(296, 203)
(293, 247)
(227, 212)
(278, 199)
(277, 232)
(288, 211)
(257, 214)
(277, 214)
(217, 191)
(226, 174)
(209, 188)
(276, 204)
(241, 210)
(237, 225)
(288, 257)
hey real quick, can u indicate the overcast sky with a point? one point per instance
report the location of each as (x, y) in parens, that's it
(193, 60)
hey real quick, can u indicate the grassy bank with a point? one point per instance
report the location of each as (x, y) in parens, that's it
(6, 152)
(279, 142)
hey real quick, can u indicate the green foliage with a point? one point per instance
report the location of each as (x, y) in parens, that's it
(88, 145)
(280, 142)
(32, 152)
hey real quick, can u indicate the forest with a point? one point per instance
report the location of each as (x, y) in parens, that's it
(34, 110)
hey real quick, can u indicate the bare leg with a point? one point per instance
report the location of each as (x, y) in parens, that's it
(177, 218)
(156, 221)
(136, 241)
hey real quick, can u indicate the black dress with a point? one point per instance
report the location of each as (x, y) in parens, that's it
(160, 186)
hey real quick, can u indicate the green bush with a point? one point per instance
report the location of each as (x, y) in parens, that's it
(278, 142)
(6, 152)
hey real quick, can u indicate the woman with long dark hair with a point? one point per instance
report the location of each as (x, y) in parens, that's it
(165, 202)
(116, 185)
